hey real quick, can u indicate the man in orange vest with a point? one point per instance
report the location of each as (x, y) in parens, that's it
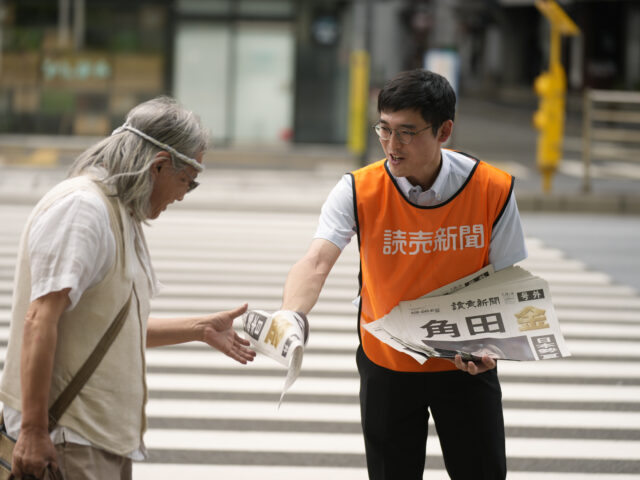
(424, 217)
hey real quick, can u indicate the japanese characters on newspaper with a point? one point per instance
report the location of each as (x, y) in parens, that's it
(280, 336)
(506, 314)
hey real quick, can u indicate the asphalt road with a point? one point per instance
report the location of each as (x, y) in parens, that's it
(607, 243)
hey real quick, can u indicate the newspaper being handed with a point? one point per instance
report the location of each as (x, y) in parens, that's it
(281, 336)
(506, 315)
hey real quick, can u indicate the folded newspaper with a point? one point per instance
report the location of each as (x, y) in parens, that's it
(281, 336)
(506, 314)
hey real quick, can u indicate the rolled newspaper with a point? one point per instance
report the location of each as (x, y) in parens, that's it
(281, 336)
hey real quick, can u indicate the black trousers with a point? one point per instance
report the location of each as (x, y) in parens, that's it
(466, 409)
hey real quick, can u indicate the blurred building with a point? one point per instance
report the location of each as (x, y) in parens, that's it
(277, 71)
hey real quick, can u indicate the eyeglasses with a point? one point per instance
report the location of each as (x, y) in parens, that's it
(192, 184)
(404, 136)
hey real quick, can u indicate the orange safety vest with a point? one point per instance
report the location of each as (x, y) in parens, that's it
(407, 250)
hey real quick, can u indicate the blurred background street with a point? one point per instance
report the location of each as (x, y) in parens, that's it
(274, 82)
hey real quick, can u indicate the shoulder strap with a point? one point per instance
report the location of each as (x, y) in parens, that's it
(86, 370)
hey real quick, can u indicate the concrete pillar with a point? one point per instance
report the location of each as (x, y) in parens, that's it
(388, 41)
(445, 26)
(632, 74)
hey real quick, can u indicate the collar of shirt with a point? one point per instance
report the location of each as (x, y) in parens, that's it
(436, 194)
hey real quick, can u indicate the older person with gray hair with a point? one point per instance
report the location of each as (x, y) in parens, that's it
(83, 261)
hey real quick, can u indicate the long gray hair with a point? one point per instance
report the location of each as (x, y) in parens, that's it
(122, 161)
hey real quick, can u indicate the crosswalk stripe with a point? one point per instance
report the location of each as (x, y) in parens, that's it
(342, 386)
(160, 471)
(163, 471)
(353, 443)
(292, 411)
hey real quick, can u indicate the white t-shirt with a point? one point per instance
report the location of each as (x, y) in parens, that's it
(71, 245)
(337, 222)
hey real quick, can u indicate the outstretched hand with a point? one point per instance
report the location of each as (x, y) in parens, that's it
(218, 332)
(474, 368)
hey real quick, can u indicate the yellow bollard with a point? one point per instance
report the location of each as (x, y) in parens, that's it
(551, 87)
(358, 101)
(549, 120)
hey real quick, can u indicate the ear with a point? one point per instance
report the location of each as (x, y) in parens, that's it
(161, 156)
(158, 160)
(446, 129)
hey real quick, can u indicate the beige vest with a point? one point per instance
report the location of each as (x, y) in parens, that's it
(110, 409)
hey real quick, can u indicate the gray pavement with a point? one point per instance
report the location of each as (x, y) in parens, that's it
(606, 243)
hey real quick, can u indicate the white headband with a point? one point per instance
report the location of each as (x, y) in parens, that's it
(188, 160)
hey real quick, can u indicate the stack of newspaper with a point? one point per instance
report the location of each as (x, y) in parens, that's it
(506, 314)
(280, 336)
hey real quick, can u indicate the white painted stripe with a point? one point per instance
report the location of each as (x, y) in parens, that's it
(332, 412)
(561, 476)
(157, 471)
(250, 384)
(553, 262)
(597, 316)
(593, 290)
(559, 368)
(202, 293)
(334, 340)
(215, 304)
(602, 330)
(596, 347)
(342, 386)
(572, 448)
(576, 278)
(6, 286)
(292, 442)
(289, 442)
(288, 411)
(264, 265)
(630, 303)
(570, 393)
(571, 419)
(196, 255)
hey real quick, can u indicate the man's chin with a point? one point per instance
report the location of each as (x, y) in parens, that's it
(395, 169)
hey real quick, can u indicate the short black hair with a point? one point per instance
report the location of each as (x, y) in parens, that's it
(421, 90)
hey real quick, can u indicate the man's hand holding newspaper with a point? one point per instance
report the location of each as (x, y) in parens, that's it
(280, 336)
(501, 315)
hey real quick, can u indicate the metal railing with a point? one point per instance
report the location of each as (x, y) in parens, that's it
(610, 130)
